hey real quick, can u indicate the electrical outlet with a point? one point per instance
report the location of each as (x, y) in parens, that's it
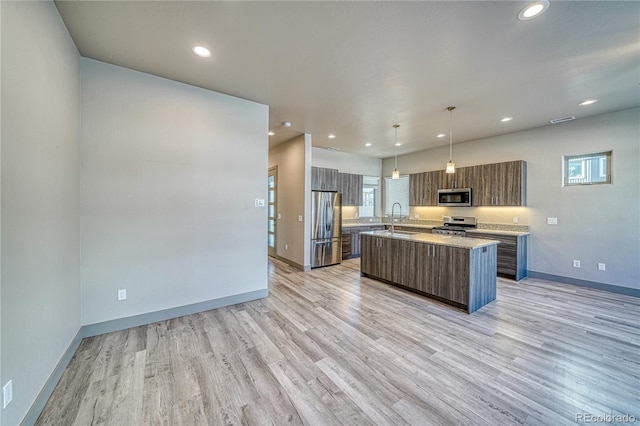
(279, 216)
(416, 216)
(286, 246)
(515, 219)
(552, 221)
(299, 218)
(122, 294)
(576, 263)
(7, 394)
(602, 267)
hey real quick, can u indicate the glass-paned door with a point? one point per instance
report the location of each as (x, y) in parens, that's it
(272, 188)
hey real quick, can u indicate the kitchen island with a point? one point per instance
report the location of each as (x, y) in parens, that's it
(459, 271)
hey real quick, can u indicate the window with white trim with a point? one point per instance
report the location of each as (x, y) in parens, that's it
(587, 169)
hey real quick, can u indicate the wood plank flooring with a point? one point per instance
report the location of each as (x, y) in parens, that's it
(329, 347)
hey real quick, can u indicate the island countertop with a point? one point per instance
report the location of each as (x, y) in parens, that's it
(445, 240)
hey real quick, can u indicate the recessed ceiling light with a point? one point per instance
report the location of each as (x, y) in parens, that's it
(201, 51)
(271, 133)
(287, 124)
(588, 102)
(367, 144)
(332, 136)
(533, 10)
(398, 144)
(440, 135)
(505, 119)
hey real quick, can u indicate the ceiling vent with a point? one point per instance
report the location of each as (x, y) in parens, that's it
(562, 119)
(333, 148)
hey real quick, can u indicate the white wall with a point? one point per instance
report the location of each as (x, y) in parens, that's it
(40, 204)
(599, 223)
(169, 177)
(346, 162)
(294, 194)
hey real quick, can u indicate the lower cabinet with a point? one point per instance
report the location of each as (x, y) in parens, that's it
(463, 277)
(354, 238)
(512, 253)
(346, 245)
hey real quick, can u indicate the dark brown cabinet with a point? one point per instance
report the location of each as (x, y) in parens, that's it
(423, 188)
(354, 238)
(350, 185)
(323, 179)
(346, 245)
(460, 276)
(499, 184)
(512, 253)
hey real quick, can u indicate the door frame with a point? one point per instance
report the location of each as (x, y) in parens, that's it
(272, 250)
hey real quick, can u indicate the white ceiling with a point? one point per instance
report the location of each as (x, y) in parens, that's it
(355, 68)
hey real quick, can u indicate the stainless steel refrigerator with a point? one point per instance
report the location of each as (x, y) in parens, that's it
(326, 231)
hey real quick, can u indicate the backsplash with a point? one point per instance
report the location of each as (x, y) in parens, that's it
(432, 222)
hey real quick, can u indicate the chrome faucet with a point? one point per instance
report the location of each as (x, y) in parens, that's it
(393, 215)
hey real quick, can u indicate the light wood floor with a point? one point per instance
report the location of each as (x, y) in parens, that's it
(329, 347)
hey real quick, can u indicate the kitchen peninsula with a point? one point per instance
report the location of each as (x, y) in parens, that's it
(456, 270)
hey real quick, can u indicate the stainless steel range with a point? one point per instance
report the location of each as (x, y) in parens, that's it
(455, 225)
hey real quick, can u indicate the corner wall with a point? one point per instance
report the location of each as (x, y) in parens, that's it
(40, 286)
(598, 223)
(293, 160)
(170, 174)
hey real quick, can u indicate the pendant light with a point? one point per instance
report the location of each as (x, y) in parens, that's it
(396, 173)
(451, 166)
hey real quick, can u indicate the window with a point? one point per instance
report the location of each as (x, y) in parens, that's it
(396, 191)
(587, 169)
(370, 191)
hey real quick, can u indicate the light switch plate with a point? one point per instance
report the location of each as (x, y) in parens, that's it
(602, 267)
(299, 218)
(122, 294)
(552, 221)
(259, 202)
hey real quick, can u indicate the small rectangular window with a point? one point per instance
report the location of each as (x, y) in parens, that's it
(587, 169)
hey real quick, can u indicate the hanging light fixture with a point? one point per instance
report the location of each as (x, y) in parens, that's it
(396, 173)
(451, 166)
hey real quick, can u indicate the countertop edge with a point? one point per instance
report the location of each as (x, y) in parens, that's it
(444, 240)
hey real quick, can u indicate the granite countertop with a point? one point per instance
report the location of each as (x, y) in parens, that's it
(445, 240)
(362, 225)
(493, 231)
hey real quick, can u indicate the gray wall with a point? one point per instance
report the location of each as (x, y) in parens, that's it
(599, 223)
(40, 203)
(294, 194)
(170, 174)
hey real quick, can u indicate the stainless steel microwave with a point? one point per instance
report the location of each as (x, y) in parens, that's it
(459, 197)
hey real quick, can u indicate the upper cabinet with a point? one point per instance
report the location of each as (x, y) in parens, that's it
(423, 188)
(324, 179)
(500, 184)
(350, 185)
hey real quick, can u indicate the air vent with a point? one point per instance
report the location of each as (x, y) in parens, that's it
(562, 119)
(333, 148)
